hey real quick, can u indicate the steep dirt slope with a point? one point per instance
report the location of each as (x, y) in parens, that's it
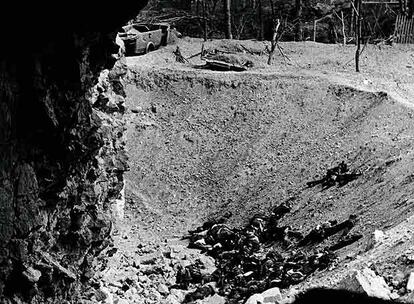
(201, 144)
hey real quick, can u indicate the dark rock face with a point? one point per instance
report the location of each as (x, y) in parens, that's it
(61, 149)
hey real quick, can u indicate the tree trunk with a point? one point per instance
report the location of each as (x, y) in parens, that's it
(351, 30)
(299, 31)
(204, 20)
(272, 6)
(227, 10)
(358, 34)
(343, 28)
(274, 42)
(261, 25)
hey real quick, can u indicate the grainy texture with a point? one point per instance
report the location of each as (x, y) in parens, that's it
(202, 144)
(61, 147)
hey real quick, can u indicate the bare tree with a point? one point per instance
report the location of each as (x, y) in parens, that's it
(261, 24)
(205, 20)
(358, 32)
(227, 11)
(299, 30)
(274, 42)
(343, 28)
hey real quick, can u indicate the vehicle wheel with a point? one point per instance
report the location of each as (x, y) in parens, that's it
(150, 48)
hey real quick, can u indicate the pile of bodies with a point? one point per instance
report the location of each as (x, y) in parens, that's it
(263, 254)
(338, 175)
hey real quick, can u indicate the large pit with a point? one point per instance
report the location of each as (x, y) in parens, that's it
(203, 144)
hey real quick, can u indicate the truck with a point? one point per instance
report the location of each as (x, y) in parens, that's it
(143, 38)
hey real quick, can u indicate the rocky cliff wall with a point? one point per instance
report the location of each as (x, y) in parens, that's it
(61, 145)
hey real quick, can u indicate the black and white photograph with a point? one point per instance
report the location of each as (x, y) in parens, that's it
(207, 152)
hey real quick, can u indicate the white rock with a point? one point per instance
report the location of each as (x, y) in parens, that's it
(215, 299)
(130, 293)
(177, 252)
(142, 279)
(379, 235)
(375, 239)
(366, 281)
(290, 296)
(163, 289)
(118, 206)
(255, 299)
(272, 295)
(394, 296)
(209, 265)
(178, 294)
(172, 300)
(410, 284)
(32, 275)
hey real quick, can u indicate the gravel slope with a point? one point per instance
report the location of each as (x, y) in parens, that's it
(202, 143)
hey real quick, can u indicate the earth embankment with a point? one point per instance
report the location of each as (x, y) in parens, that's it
(203, 143)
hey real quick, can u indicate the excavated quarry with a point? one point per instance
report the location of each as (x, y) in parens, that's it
(202, 144)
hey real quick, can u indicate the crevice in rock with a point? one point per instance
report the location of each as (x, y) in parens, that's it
(62, 158)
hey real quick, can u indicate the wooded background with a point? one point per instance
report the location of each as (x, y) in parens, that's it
(255, 19)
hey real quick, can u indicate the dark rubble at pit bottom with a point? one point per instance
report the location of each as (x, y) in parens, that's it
(263, 254)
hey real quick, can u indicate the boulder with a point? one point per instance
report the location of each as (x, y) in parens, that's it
(366, 281)
(177, 294)
(410, 284)
(163, 289)
(255, 299)
(209, 265)
(272, 295)
(177, 252)
(290, 296)
(215, 299)
(57, 266)
(172, 300)
(376, 238)
(32, 275)
(103, 295)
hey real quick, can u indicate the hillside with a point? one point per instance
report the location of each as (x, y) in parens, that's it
(202, 143)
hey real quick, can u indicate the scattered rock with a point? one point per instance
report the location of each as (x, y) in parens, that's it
(56, 265)
(176, 297)
(149, 259)
(366, 281)
(172, 300)
(255, 299)
(177, 252)
(163, 289)
(208, 265)
(410, 284)
(32, 275)
(375, 239)
(215, 299)
(394, 296)
(104, 295)
(272, 295)
(116, 284)
(290, 296)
